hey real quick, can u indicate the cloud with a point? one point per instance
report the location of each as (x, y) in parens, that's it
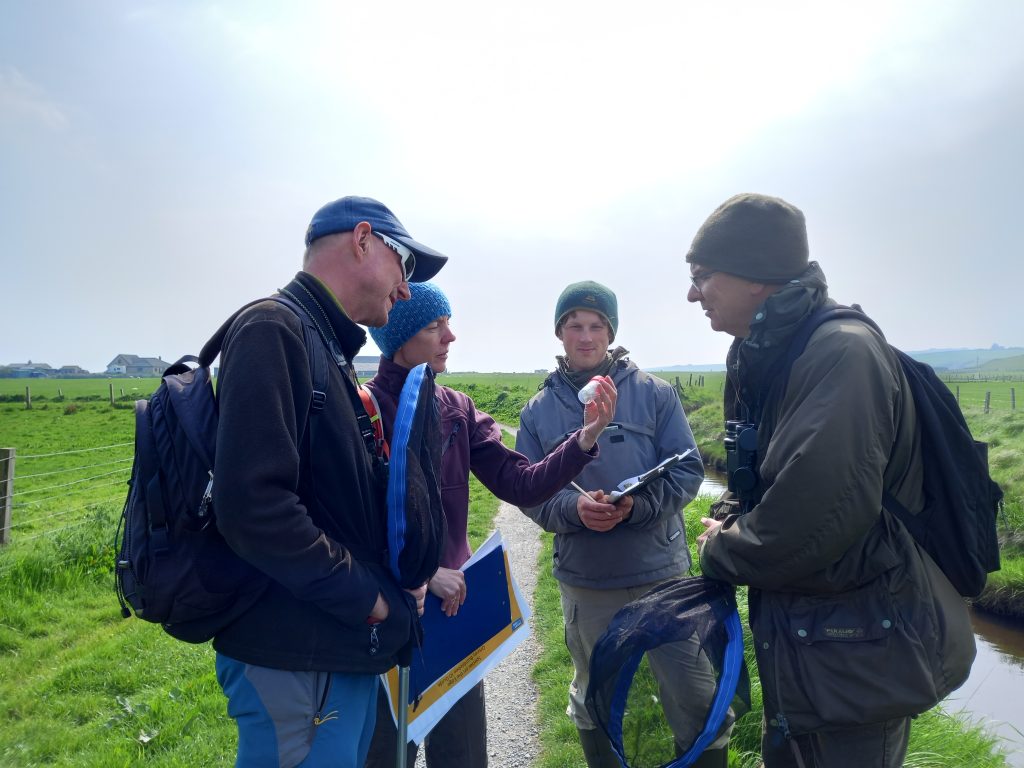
(22, 100)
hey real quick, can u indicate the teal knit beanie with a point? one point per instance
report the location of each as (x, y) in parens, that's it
(407, 318)
(590, 296)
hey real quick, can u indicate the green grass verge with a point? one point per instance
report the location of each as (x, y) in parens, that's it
(81, 686)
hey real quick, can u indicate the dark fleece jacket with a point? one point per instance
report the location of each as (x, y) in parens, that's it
(295, 496)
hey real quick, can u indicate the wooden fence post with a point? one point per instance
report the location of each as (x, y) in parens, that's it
(690, 382)
(111, 393)
(28, 398)
(1013, 398)
(6, 492)
(988, 400)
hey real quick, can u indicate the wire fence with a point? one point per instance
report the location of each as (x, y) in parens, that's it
(986, 399)
(76, 450)
(73, 469)
(993, 393)
(56, 530)
(68, 484)
(959, 378)
(64, 485)
(44, 494)
(89, 489)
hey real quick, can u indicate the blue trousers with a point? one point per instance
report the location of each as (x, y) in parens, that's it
(292, 719)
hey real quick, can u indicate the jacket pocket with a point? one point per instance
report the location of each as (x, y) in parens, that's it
(843, 660)
(386, 639)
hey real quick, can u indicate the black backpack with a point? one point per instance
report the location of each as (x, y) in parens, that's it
(958, 524)
(173, 567)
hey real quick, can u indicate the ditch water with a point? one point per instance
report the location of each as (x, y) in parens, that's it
(993, 695)
(714, 483)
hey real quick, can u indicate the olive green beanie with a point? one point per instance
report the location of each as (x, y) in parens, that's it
(592, 297)
(756, 237)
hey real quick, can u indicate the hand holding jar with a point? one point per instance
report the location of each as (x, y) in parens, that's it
(598, 398)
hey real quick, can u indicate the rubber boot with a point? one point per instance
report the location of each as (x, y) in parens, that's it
(597, 749)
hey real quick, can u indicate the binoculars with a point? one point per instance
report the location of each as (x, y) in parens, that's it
(741, 458)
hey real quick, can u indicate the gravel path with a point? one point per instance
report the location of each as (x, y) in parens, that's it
(512, 730)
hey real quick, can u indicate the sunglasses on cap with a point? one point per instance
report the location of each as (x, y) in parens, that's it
(405, 256)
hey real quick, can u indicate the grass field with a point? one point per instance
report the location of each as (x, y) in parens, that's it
(1004, 394)
(82, 687)
(502, 395)
(47, 390)
(72, 460)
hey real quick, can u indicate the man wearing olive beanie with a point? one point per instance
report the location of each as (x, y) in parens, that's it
(826, 565)
(756, 237)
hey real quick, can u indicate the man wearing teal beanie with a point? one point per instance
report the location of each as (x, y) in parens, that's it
(608, 554)
(417, 332)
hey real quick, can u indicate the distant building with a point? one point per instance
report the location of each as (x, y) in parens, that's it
(71, 370)
(366, 366)
(133, 365)
(30, 370)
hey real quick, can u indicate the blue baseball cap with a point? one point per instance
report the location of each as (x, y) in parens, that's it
(345, 213)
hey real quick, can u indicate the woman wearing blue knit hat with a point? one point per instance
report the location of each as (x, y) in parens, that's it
(418, 331)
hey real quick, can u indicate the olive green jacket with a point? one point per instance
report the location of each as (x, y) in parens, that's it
(853, 623)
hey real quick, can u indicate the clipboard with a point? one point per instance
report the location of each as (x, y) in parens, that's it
(633, 484)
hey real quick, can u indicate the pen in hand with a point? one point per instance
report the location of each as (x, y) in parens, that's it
(571, 482)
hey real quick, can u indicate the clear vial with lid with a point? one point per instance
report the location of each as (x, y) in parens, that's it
(589, 391)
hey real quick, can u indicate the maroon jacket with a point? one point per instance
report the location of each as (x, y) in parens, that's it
(471, 442)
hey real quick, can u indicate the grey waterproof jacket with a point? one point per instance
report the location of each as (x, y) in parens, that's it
(648, 426)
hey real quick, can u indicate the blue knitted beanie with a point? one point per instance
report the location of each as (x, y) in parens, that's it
(407, 318)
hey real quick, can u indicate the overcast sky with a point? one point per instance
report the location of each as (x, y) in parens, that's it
(159, 161)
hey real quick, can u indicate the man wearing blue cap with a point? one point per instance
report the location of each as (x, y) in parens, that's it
(299, 497)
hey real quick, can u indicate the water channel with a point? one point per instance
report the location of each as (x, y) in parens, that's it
(993, 693)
